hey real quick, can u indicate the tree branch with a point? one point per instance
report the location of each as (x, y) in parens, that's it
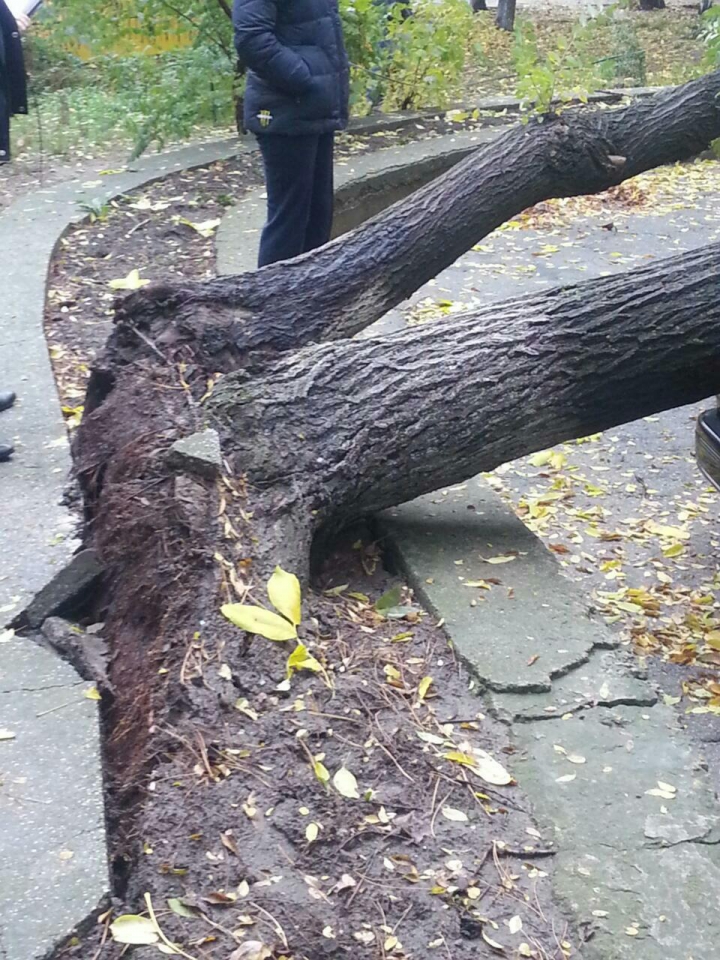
(340, 289)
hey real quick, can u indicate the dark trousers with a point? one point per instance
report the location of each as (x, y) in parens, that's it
(299, 180)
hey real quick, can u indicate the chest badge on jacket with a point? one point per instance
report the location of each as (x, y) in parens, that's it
(265, 118)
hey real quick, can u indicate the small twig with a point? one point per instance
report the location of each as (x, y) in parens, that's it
(397, 925)
(103, 941)
(437, 811)
(137, 226)
(148, 342)
(278, 929)
(432, 805)
(60, 706)
(173, 946)
(387, 752)
(204, 755)
(362, 880)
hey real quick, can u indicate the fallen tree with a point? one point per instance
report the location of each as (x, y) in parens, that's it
(318, 429)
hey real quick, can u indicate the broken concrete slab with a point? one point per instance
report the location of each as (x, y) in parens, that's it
(53, 862)
(616, 787)
(65, 589)
(199, 453)
(447, 542)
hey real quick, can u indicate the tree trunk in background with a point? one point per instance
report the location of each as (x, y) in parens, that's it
(478, 5)
(652, 4)
(506, 14)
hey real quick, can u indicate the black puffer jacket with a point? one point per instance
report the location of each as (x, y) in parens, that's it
(13, 95)
(297, 81)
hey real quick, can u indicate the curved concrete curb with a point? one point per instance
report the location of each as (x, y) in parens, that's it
(365, 185)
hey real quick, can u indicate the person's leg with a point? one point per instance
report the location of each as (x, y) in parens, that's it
(321, 207)
(289, 171)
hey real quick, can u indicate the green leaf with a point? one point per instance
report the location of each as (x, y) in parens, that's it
(285, 595)
(182, 909)
(389, 600)
(134, 929)
(258, 620)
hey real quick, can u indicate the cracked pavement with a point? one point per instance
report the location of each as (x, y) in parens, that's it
(616, 784)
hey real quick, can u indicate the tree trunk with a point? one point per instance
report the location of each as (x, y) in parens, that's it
(478, 5)
(338, 290)
(506, 14)
(652, 4)
(346, 429)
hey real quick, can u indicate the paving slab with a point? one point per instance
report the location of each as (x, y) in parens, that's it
(53, 862)
(636, 869)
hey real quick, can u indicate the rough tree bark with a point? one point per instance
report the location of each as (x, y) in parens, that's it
(337, 430)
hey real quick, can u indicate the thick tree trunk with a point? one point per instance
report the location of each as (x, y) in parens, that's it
(345, 429)
(652, 4)
(345, 286)
(506, 14)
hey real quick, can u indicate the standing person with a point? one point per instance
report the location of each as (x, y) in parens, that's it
(13, 93)
(13, 99)
(296, 99)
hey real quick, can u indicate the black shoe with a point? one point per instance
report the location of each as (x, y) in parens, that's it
(6, 400)
(6, 452)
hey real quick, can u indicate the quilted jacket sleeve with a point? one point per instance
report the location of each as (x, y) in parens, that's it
(259, 48)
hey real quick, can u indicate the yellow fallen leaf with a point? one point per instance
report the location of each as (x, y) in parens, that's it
(258, 620)
(321, 771)
(676, 550)
(206, 229)
(133, 929)
(515, 924)
(457, 757)
(423, 687)
(6, 734)
(300, 659)
(285, 594)
(312, 831)
(131, 282)
(541, 459)
(345, 783)
(568, 778)
(457, 816)
(492, 943)
(504, 559)
(575, 758)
